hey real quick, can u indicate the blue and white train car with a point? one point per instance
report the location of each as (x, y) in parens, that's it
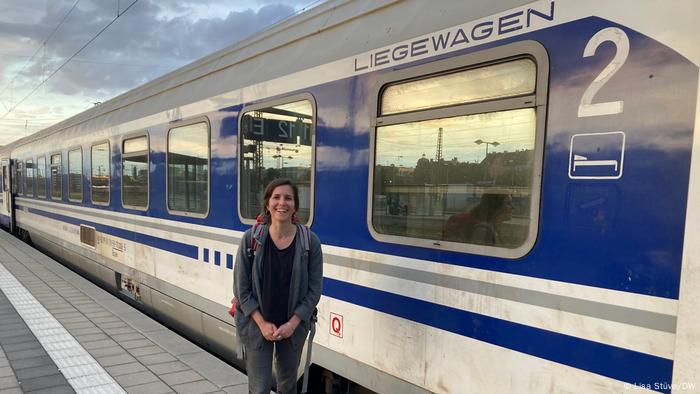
(505, 191)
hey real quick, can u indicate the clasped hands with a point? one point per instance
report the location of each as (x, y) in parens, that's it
(274, 333)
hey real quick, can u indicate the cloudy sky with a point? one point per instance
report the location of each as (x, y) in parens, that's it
(148, 39)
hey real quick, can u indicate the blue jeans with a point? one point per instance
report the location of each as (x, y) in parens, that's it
(259, 367)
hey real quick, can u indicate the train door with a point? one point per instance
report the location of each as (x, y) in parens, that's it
(6, 214)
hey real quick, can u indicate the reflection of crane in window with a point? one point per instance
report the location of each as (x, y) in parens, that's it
(278, 154)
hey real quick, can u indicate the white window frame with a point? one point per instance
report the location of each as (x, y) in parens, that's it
(189, 122)
(121, 169)
(272, 103)
(538, 100)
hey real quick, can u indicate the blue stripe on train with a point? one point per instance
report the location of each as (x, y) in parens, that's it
(160, 243)
(622, 364)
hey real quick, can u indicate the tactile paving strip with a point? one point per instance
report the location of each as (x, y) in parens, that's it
(80, 369)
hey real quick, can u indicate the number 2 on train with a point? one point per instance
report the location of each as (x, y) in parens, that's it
(622, 44)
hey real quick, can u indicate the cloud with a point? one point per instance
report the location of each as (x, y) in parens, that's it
(152, 38)
(148, 40)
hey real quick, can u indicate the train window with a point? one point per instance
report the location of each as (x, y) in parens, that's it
(277, 141)
(56, 177)
(457, 153)
(18, 180)
(75, 175)
(29, 178)
(188, 169)
(135, 172)
(100, 174)
(41, 176)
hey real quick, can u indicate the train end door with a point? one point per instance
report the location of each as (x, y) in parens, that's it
(6, 207)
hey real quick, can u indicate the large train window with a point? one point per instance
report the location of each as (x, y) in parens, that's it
(41, 176)
(99, 174)
(29, 178)
(188, 169)
(457, 153)
(276, 141)
(56, 177)
(75, 175)
(135, 172)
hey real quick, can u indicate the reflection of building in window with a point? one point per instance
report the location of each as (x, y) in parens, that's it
(99, 180)
(75, 175)
(276, 143)
(41, 176)
(135, 172)
(29, 178)
(432, 171)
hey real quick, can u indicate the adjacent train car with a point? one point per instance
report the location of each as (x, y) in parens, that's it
(505, 191)
(6, 203)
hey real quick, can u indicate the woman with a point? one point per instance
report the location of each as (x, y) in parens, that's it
(493, 210)
(277, 284)
(481, 224)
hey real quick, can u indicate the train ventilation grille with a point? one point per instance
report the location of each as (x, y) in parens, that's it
(87, 235)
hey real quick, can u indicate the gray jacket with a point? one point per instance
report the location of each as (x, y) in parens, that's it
(304, 293)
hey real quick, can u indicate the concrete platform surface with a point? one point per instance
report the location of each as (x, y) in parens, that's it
(59, 333)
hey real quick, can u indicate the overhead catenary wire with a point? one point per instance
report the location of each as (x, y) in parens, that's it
(69, 59)
(43, 45)
(89, 61)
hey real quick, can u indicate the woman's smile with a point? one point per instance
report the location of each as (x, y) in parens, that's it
(281, 203)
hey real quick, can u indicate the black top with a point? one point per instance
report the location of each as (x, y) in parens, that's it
(276, 277)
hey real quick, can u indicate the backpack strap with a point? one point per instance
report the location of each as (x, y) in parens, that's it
(256, 233)
(306, 241)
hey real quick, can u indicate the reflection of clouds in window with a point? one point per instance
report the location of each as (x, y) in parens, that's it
(136, 144)
(187, 141)
(299, 107)
(405, 144)
(468, 86)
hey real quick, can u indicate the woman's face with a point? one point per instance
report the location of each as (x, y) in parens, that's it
(281, 204)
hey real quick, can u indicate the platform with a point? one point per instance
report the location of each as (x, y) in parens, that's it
(59, 333)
